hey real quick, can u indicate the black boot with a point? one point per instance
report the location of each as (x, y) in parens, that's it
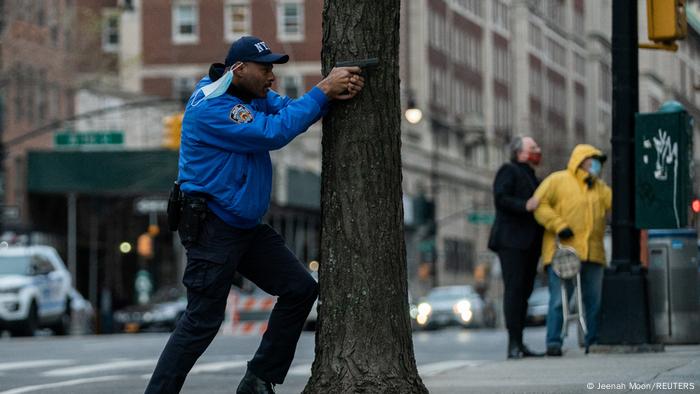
(554, 351)
(529, 353)
(252, 384)
(514, 351)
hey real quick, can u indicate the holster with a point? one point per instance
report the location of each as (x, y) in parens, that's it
(194, 212)
(174, 207)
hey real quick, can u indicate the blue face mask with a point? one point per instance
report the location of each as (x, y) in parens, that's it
(595, 168)
(220, 86)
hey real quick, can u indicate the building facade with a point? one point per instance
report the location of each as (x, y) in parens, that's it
(36, 90)
(456, 67)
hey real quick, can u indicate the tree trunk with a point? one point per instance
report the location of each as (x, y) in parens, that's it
(363, 342)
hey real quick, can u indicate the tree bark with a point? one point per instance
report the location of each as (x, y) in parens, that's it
(363, 342)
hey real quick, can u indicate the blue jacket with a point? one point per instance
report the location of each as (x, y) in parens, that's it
(225, 145)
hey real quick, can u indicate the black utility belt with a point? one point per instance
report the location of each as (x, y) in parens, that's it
(185, 208)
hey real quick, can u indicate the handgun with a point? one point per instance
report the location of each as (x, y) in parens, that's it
(363, 63)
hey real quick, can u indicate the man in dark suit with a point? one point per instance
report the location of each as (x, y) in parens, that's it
(517, 237)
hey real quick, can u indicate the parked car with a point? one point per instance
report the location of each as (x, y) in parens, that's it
(537, 307)
(34, 290)
(161, 313)
(454, 305)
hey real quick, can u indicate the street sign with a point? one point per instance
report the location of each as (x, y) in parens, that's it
(663, 169)
(147, 205)
(83, 138)
(481, 218)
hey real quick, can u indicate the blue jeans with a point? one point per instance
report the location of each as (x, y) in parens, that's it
(591, 288)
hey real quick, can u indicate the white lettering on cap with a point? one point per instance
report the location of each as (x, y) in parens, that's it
(261, 46)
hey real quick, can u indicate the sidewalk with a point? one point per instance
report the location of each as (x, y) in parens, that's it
(677, 369)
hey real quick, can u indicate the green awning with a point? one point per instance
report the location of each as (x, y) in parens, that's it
(104, 172)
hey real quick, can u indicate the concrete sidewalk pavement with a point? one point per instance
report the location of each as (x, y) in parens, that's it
(677, 369)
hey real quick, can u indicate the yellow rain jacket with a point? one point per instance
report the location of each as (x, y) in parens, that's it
(567, 201)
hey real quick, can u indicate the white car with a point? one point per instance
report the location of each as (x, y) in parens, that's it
(34, 290)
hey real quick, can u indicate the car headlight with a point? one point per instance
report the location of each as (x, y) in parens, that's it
(10, 290)
(462, 307)
(424, 308)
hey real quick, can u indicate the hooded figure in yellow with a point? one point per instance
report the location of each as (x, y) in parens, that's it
(573, 205)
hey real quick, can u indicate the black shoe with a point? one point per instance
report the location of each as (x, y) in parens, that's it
(554, 351)
(252, 384)
(514, 351)
(529, 353)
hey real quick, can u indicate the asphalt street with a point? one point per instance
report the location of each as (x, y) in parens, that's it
(123, 363)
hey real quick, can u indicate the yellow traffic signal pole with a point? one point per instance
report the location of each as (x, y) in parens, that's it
(666, 23)
(172, 130)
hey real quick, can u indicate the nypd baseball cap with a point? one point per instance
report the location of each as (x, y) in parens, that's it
(253, 49)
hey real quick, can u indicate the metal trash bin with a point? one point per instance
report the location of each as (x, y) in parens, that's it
(674, 301)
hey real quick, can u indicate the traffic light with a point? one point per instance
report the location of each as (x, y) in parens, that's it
(144, 245)
(695, 205)
(172, 130)
(666, 20)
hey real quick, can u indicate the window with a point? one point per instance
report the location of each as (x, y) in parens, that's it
(40, 12)
(472, 6)
(579, 30)
(535, 78)
(439, 91)
(580, 104)
(29, 99)
(185, 22)
(580, 65)
(19, 92)
(110, 31)
(236, 19)
(556, 95)
(502, 114)
(500, 15)
(290, 20)
(604, 83)
(501, 63)
(41, 89)
(291, 85)
(535, 36)
(556, 52)
(438, 34)
(555, 12)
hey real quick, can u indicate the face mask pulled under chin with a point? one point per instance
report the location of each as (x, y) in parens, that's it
(220, 86)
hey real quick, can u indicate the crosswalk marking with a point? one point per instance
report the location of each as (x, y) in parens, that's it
(81, 370)
(300, 370)
(432, 369)
(425, 370)
(74, 382)
(217, 366)
(34, 364)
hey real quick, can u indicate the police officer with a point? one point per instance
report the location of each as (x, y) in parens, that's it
(231, 122)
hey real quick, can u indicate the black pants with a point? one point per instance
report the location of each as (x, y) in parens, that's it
(260, 255)
(519, 268)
